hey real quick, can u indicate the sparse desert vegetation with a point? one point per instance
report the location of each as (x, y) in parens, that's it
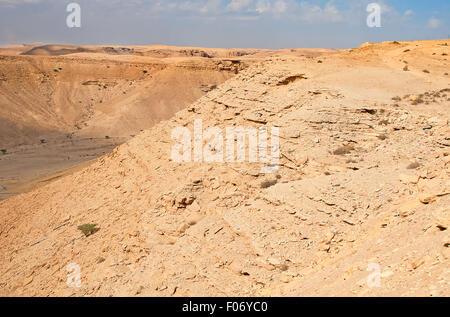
(343, 150)
(413, 166)
(88, 229)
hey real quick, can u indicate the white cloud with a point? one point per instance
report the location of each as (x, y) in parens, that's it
(280, 6)
(211, 6)
(238, 5)
(385, 8)
(304, 11)
(408, 14)
(203, 7)
(314, 13)
(434, 23)
(266, 6)
(262, 6)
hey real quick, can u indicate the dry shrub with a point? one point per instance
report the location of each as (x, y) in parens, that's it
(413, 166)
(343, 150)
(268, 183)
(418, 101)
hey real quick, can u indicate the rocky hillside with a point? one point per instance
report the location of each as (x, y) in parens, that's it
(57, 112)
(44, 97)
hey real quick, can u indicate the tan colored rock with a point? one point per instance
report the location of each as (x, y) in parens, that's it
(284, 278)
(194, 207)
(442, 217)
(414, 98)
(408, 208)
(409, 178)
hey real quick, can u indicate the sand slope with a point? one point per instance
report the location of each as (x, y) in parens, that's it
(347, 194)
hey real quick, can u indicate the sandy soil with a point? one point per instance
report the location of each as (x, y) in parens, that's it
(364, 181)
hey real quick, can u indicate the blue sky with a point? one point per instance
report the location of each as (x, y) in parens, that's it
(223, 23)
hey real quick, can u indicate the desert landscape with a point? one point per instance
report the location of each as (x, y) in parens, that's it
(63, 105)
(363, 178)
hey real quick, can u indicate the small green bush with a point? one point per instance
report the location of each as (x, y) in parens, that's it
(88, 229)
(3, 151)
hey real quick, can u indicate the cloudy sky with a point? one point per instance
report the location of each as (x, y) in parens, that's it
(223, 23)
